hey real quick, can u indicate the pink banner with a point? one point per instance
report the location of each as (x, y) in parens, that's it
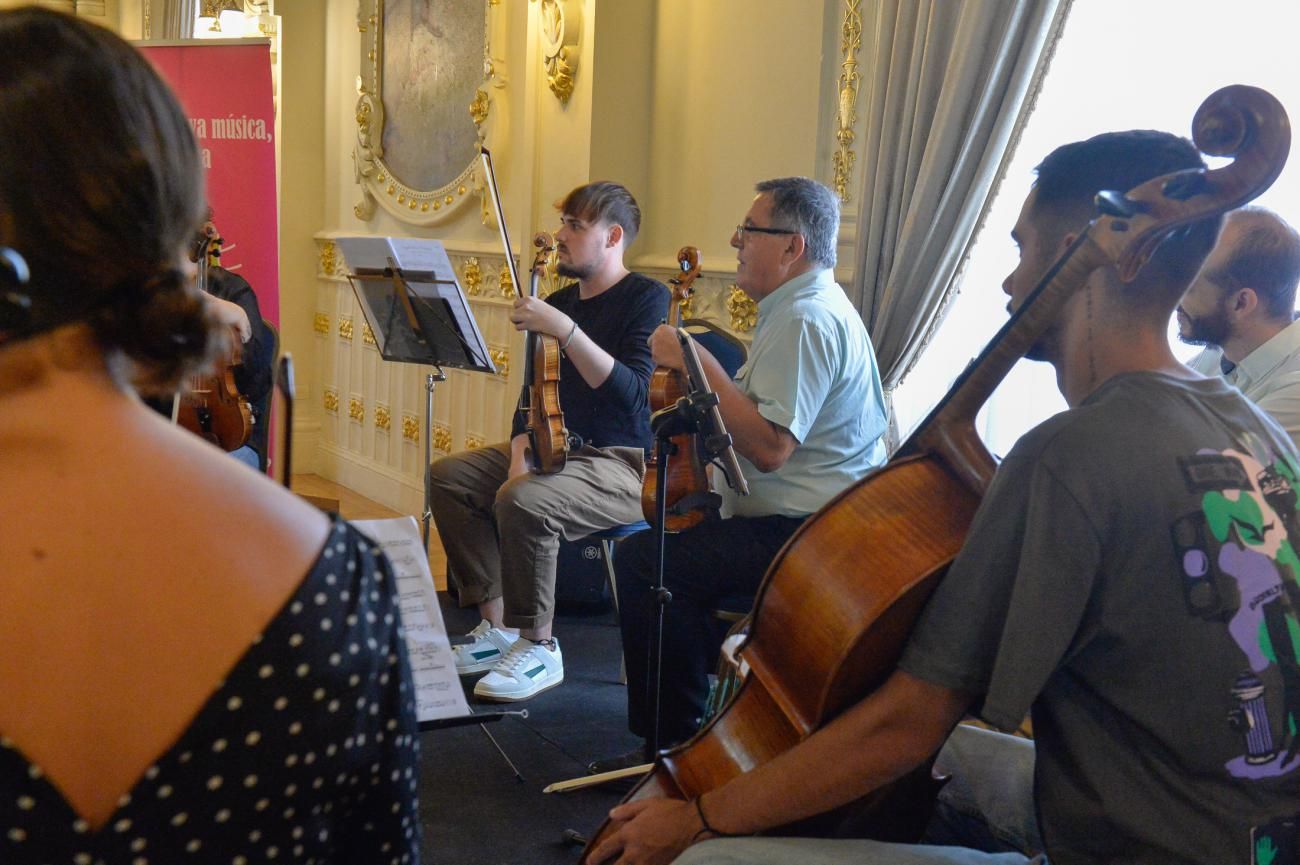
(226, 91)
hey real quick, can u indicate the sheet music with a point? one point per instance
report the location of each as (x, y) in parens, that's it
(438, 692)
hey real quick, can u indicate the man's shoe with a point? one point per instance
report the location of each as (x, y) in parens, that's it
(486, 648)
(527, 669)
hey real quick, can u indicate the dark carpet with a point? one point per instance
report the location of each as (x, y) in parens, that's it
(474, 810)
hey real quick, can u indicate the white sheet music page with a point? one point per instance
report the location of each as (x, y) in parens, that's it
(438, 693)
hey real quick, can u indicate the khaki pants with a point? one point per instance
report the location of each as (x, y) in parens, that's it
(502, 537)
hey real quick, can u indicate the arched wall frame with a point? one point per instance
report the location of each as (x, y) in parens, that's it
(418, 135)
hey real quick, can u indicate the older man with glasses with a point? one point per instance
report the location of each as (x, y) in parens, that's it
(807, 416)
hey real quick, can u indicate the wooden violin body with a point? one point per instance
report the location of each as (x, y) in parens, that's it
(852, 581)
(687, 484)
(547, 436)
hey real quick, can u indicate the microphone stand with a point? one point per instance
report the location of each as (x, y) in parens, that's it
(695, 413)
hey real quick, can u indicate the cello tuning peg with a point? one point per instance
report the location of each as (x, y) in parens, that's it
(1183, 186)
(1113, 203)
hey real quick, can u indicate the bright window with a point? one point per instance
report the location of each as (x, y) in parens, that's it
(1119, 65)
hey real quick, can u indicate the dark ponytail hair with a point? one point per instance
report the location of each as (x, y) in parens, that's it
(101, 187)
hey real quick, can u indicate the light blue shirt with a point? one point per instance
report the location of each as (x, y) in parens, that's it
(1269, 376)
(811, 370)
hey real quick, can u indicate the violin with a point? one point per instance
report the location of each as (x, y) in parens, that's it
(854, 578)
(211, 406)
(539, 401)
(686, 489)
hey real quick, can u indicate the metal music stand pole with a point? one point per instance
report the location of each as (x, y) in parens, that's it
(434, 377)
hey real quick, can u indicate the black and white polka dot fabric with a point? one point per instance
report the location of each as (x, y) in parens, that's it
(307, 753)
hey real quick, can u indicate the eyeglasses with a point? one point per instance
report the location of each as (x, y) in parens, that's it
(742, 230)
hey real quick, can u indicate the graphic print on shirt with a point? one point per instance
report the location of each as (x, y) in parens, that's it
(1239, 567)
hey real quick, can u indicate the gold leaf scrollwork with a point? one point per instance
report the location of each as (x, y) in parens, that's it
(474, 442)
(501, 360)
(847, 117)
(410, 428)
(442, 438)
(473, 276)
(321, 323)
(367, 335)
(383, 418)
(357, 409)
(507, 282)
(331, 400)
(329, 258)
(560, 26)
(742, 309)
(345, 327)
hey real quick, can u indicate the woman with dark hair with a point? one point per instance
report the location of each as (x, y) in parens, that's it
(196, 665)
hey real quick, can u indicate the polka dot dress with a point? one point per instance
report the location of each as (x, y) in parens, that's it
(307, 753)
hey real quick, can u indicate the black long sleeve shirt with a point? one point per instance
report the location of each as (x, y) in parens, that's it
(619, 320)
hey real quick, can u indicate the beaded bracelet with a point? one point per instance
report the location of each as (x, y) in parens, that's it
(704, 824)
(568, 339)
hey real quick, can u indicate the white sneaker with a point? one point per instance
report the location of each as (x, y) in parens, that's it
(527, 669)
(486, 648)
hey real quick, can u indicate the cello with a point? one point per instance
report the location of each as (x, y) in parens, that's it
(211, 406)
(854, 578)
(539, 401)
(687, 486)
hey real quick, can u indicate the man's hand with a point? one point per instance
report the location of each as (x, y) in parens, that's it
(650, 832)
(231, 314)
(665, 349)
(530, 313)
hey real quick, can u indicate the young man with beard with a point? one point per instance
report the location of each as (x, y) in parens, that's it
(1129, 580)
(1242, 309)
(501, 523)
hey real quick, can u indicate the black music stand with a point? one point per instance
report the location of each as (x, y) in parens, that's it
(416, 309)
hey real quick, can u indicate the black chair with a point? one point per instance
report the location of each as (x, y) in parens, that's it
(258, 438)
(729, 351)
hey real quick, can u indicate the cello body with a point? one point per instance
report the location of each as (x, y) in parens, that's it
(853, 579)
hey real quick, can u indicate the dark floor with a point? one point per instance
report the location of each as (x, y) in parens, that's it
(474, 810)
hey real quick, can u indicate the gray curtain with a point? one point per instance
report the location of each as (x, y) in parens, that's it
(947, 86)
(173, 19)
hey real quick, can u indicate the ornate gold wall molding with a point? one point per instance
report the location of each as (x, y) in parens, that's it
(329, 258)
(375, 177)
(742, 309)
(559, 26)
(383, 417)
(501, 360)
(345, 327)
(506, 282)
(331, 400)
(472, 275)
(357, 409)
(442, 438)
(473, 441)
(321, 323)
(410, 428)
(847, 117)
(367, 335)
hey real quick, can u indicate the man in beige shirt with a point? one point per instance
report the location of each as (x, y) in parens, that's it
(1242, 309)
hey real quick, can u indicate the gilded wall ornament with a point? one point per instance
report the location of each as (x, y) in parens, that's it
(383, 418)
(507, 282)
(399, 107)
(357, 409)
(847, 117)
(367, 335)
(410, 428)
(331, 400)
(345, 327)
(742, 309)
(442, 438)
(321, 323)
(474, 441)
(560, 23)
(501, 360)
(472, 275)
(329, 258)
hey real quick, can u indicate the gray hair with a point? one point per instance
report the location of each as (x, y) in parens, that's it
(802, 204)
